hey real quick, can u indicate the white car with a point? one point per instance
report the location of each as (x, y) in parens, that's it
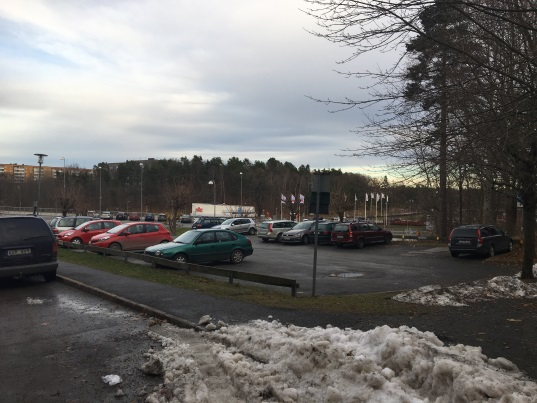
(239, 225)
(106, 215)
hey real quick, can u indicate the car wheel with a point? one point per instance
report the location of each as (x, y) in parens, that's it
(454, 254)
(251, 231)
(387, 239)
(264, 239)
(236, 256)
(180, 258)
(77, 241)
(360, 243)
(279, 237)
(492, 252)
(50, 276)
(115, 246)
(305, 240)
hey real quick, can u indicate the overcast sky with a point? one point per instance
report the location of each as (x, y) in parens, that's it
(109, 81)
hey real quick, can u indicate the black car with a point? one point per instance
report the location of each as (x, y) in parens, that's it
(324, 232)
(207, 222)
(27, 247)
(479, 239)
(122, 216)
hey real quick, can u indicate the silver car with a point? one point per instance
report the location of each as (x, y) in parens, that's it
(239, 225)
(273, 230)
(299, 233)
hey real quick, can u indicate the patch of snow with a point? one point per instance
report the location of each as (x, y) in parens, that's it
(463, 294)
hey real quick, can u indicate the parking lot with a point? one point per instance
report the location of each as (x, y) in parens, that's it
(400, 265)
(377, 268)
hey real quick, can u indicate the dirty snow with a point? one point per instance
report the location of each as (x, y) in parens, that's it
(267, 361)
(464, 294)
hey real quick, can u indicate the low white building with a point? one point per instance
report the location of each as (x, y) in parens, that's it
(221, 210)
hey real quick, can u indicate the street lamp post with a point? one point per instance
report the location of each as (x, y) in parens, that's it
(40, 162)
(100, 192)
(240, 173)
(63, 158)
(141, 189)
(213, 183)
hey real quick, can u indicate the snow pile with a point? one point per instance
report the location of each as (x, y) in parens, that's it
(462, 294)
(267, 361)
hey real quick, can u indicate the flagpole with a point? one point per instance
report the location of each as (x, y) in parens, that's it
(365, 208)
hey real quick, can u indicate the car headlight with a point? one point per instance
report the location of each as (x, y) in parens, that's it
(158, 253)
(104, 238)
(67, 234)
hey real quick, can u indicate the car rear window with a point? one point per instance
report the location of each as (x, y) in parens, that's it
(341, 228)
(264, 225)
(465, 232)
(21, 228)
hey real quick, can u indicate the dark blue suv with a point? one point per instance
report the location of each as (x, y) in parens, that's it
(207, 222)
(27, 247)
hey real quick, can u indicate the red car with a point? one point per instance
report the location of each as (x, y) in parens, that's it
(85, 231)
(132, 236)
(359, 234)
(134, 217)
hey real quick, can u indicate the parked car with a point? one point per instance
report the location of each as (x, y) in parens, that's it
(300, 233)
(205, 245)
(149, 217)
(28, 247)
(207, 222)
(134, 217)
(53, 222)
(324, 232)
(122, 216)
(69, 222)
(162, 217)
(132, 236)
(239, 225)
(359, 234)
(186, 219)
(84, 232)
(273, 230)
(106, 215)
(479, 239)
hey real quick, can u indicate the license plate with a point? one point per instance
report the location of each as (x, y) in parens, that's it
(340, 237)
(18, 252)
(464, 242)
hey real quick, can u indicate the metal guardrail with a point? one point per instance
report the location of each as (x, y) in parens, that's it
(190, 267)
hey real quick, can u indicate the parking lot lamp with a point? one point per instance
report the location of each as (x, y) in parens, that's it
(100, 191)
(141, 189)
(40, 162)
(63, 158)
(241, 194)
(213, 183)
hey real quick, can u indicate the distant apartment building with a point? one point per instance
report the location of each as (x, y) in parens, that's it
(23, 173)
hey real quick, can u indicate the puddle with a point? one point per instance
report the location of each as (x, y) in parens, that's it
(347, 275)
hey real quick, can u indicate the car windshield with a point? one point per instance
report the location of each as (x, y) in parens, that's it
(187, 237)
(228, 222)
(118, 229)
(303, 225)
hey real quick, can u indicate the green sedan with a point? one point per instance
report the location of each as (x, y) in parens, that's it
(204, 245)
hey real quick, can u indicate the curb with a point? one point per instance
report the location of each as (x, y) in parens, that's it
(175, 320)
